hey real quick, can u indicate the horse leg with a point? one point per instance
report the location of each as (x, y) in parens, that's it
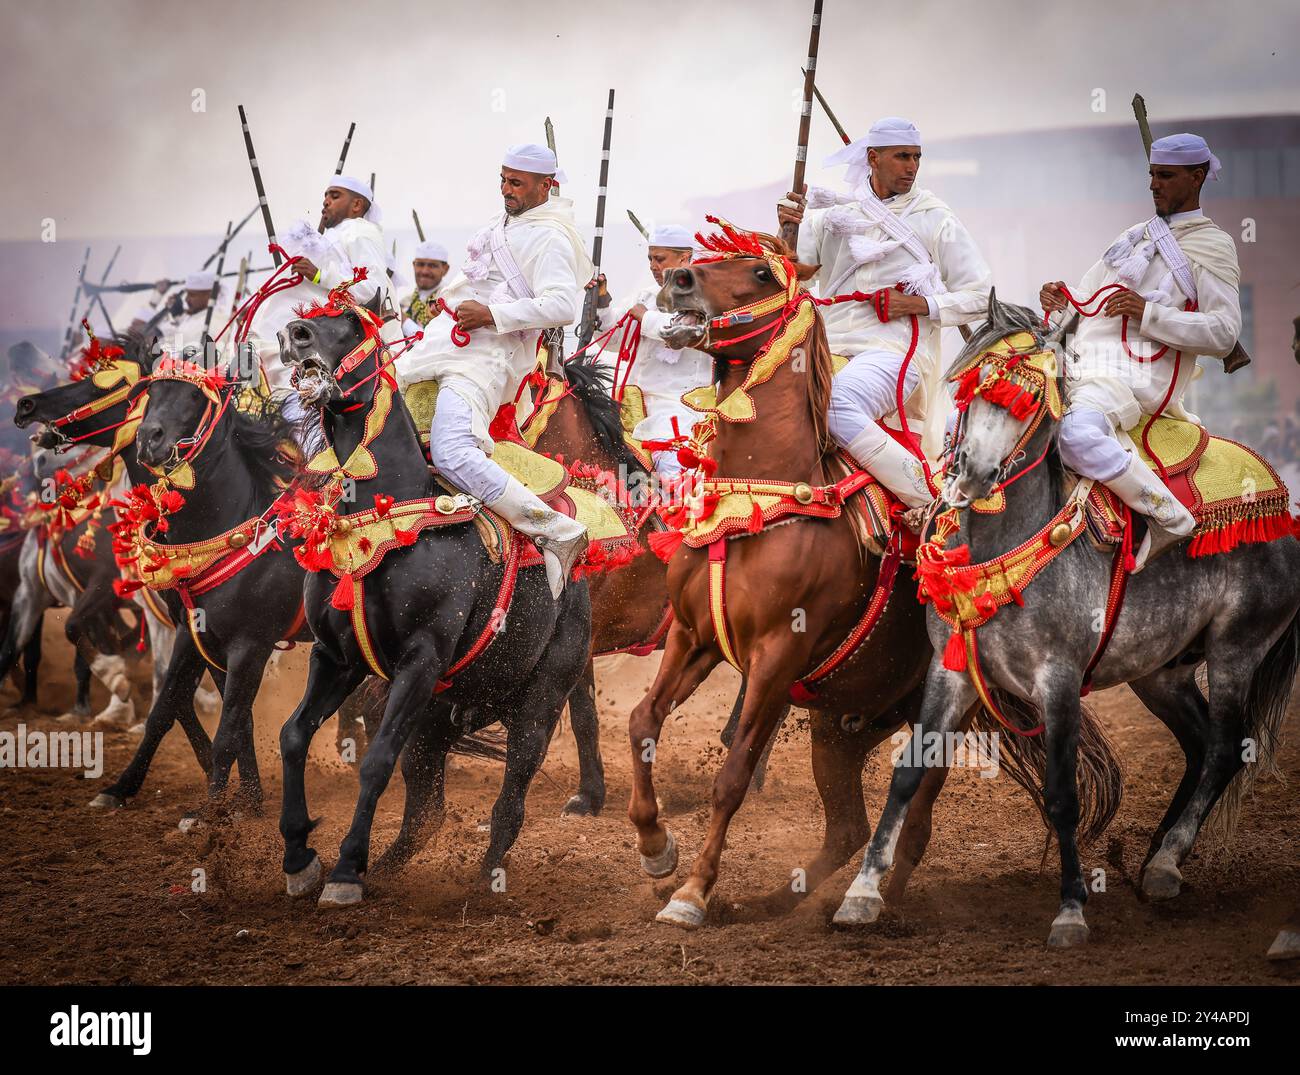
(837, 759)
(682, 670)
(183, 672)
(729, 734)
(31, 663)
(408, 703)
(590, 797)
(948, 697)
(25, 621)
(81, 673)
(1059, 704)
(1173, 696)
(329, 682)
(528, 735)
(234, 736)
(1231, 666)
(424, 772)
(765, 704)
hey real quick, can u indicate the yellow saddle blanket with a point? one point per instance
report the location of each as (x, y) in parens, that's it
(579, 496)
(1235, 496)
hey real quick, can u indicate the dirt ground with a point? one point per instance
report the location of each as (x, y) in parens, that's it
(89, 897)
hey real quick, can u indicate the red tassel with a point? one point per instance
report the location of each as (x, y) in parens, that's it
(756, 519)
(343, 598)
(954, 653)
(383, 504)
(1017, 597)
(663, 543)
(126, 587)
(405, 537)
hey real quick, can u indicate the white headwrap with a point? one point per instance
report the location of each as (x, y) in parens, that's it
(347, 182)
(889, 131)
(200, 281)
(672, 235)
(530, 157)
(431, 251)
(1185, 149)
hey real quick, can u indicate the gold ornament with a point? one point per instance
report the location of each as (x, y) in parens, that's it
(1060, 534)
(803, 493)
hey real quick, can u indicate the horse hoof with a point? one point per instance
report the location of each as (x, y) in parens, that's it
(1287, 945)
(1068, 929)
(190, 823)
(305, 880)
(1161, 881)
(858, 911)
(682, 913)
(136, 729)
(105, 801)
(664, 863)
(340, 894)
(580, 805)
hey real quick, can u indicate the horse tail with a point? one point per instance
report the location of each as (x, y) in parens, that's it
(1098, 774)
(369, 701)
(1265, 709)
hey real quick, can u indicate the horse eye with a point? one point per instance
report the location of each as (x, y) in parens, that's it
(763, 274)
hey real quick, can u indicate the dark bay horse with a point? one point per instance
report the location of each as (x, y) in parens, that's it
(1238, 612)
(420, 609)
(791, 594)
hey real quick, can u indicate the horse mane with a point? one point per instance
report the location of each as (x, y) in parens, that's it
(592, 383)
(258, 434)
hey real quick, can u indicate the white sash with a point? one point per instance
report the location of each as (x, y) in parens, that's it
(1173, 255)
(923, 280)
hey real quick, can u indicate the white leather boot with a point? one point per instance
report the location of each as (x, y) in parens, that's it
(562, 540)
(892, 465)
(1167, 520)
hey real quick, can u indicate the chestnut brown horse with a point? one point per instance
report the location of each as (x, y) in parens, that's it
(789, 594)
(629, 606)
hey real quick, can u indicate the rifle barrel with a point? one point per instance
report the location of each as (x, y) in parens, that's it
(261, 190)
(238, 227)
(598, 242)
(418, 230)
(221, 264)
(805, 113)
(839, 129)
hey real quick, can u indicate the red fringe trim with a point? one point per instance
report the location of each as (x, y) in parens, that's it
(1242, 532)
(663, 543)
(954, 653)
(343, 599)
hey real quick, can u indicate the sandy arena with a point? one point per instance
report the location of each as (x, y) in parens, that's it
(107, 898)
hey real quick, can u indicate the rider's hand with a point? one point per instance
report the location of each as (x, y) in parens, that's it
(1125, 304)
(1051, 297)
(788, 216)
(602, 292)
(638, 311)
(900, 305)
(471, 315)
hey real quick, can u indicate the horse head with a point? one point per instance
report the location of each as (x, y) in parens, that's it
(106, 379)
(1009, 382)
(739, 276)
(327, 348)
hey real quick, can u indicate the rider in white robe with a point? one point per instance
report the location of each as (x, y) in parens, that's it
(1177, 257)
(429, 266)
(524, 273)
(889, 232)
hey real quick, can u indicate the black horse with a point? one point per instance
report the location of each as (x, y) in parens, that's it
(424, 606)
(237, 475)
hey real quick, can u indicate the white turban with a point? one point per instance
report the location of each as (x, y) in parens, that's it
(347, 182)
(890, 131)
(672, 235)
(200, 281)
(530, 157)
(431, 251)
(1186, 149)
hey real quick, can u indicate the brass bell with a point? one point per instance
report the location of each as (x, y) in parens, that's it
(1060, 534)
(343, 526)
(151, 550)
(445, 505)
(238, 540)
(803, 493)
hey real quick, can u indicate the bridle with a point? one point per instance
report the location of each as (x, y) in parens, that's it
(1019, 375)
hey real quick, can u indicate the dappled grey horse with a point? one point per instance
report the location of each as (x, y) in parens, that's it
(1236, 612)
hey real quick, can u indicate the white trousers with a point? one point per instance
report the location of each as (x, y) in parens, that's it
(1089, 446)
(866, 390)
(455, 451)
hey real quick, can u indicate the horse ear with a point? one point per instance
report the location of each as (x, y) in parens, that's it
(806, 272)
(1058, 335)
(375, 303)
(991, 311)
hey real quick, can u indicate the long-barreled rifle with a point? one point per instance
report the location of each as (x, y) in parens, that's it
(338, 168)
(76, 301)
(590, 306)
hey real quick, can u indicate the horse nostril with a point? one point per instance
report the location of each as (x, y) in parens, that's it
(300, 335)
(26, 406)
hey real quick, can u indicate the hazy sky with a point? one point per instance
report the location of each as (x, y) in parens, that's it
(97, 97)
